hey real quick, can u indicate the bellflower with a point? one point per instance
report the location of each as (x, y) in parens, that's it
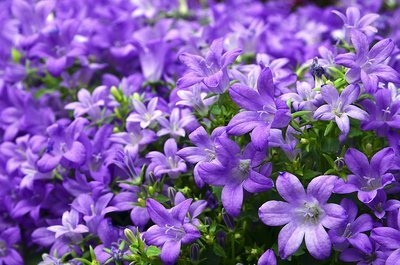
(135, 138)
(367, 253)
(64, 146)
(170, 230)
(304, 214)
(93, 210)
(194, 211)
(305, 98)
(211, 70)
(236, 171)
(89, 104)
(367, 177)
(380, 205)
(384, 113)
(167, 163)
(174, 126)
(203, 151)
(197, 99)
(268, 258)
(353, 20)
(350, 230)
(261, 110)
(339, 108)
(368, 64)
(389, 238)
(70, 228)
(146, 116)
(8, 254)
(287, 144)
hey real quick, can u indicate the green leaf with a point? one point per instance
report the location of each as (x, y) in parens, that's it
(152, 251)
(300, 113)
(328, 128)
(15, 55)
(218, 250)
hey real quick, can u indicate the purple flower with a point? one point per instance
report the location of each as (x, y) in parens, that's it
(353, 20)
(64, 146)
(305, 98)
(261, 111)
(167, 163)
(70, 228)
(204, 151)
(146, 116)
(305, 214)
(174, 126)
(236, 171)
(170, 230)
(135, 138)
(93, 210)
(383, 113)
(287, 144)
(367, 253)
(389, 238)
(8, 254)
(197, 99)
(339, 108)
(380, 205)
(350, 230)
(195, 208)
(128, 200)
(89, 104)
(58, 46)
(368, 65)
(211, 70)
(268, 258)
(367, 178)
(152, 44)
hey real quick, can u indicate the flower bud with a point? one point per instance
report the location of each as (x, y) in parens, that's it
(194, 253)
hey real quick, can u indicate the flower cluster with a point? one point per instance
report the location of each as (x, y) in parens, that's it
(199, 132)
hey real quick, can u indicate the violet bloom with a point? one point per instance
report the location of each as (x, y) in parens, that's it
(58, 46)
(350, 231)
(388, 238)
(128, 200)
(305, 98)
(304, 214)
(89, 104)
(261, 110)
(353, 20)
(64, 146)
(380, 205)
(368, 65)
(70, 228)
(93, 210)
(195, 208)
(174, 126)
(368, 253)
(146, 116)
(197, 99)
(367, 178)
(167, 163)
(268, 258)
(236, 171)
(339, 108)
(203, 151)
(170, 230)
(211, 70)
(152, 45)
(383, 113)
(8, 238)
(135, 138)
(287, 144)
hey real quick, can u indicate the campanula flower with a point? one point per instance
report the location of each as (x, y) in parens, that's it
(304, 214)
